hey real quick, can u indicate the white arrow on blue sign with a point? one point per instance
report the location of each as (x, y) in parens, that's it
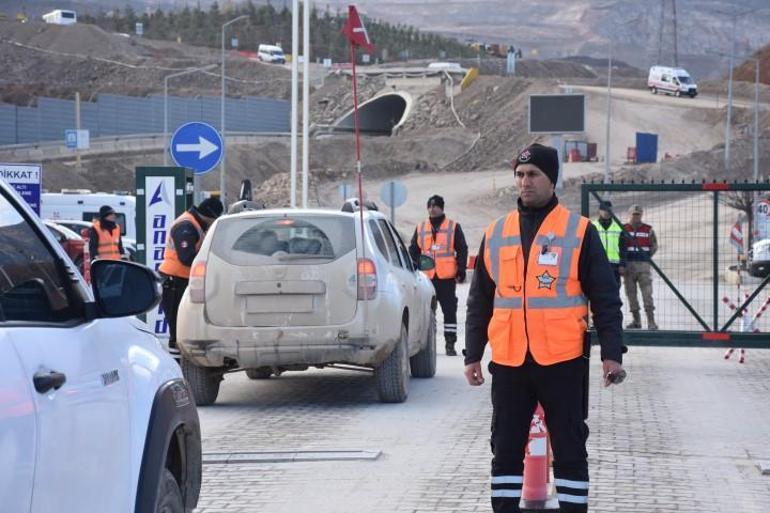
(197, 146)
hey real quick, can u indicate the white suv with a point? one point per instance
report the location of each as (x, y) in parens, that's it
(276, 290)
(94, 415)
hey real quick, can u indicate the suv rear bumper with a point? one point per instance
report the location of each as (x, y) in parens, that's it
(209, 346)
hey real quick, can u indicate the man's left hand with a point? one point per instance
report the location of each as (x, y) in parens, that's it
(610, 367)
(461, 278)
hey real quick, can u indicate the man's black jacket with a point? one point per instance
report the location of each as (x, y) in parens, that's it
(461, 247)
(596, 279)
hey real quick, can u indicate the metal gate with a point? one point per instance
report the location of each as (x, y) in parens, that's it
(704, 295)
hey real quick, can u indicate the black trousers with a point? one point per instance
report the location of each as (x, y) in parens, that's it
(616, 272)
(515, 393)
(173, 289)
(447, 298)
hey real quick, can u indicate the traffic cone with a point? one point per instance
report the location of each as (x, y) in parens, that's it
(537, 493)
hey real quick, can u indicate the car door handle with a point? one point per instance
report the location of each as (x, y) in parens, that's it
(45, 381)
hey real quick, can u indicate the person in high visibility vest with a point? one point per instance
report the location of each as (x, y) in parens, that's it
(539, 268)
(183, 242)
(443, 240)
(611, 235)
(104, 239)
(641, 244)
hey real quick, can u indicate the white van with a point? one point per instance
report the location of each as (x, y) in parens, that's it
(81, 204)
(674, 81)
(271, 53)
(61, 17)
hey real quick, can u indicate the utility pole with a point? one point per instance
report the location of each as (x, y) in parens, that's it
(77, 128)
(676, 37)
(728, 121)
(609, 116)
(294, 94)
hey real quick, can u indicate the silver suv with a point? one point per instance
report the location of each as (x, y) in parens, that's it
(277, 290)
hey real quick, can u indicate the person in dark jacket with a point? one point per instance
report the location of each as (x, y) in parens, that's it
(529, 298)
(182, 245)
(443, 240)
(104, 238)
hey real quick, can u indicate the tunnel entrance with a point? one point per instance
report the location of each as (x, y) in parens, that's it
(378, 116)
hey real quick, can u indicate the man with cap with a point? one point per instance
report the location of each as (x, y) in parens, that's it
(104, 240)
(183, 242)
(443, 240)
(641, 244)
(538, 269)
(611, 235)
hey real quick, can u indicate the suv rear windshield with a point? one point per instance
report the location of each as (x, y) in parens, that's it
(283, 239)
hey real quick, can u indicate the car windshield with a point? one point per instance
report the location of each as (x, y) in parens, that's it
(683, 80)
(283, 239)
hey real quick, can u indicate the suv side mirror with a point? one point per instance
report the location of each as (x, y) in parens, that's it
(426, 263)
(123, 288)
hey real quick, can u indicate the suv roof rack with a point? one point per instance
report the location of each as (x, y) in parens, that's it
(352, 205)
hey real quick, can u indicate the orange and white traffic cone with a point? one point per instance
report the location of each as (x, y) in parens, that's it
(537, 493)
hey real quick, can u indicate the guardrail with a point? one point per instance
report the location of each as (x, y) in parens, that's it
(54, 150)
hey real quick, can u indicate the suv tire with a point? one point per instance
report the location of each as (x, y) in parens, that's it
(204, 382)
(259, 373)
(392, 376)
(169, 495)
(423, 364)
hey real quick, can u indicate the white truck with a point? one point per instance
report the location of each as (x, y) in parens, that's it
(271, 53)
(61, 17)
(676, 81)
(83, 205)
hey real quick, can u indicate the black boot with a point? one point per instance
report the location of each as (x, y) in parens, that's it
(450, 339)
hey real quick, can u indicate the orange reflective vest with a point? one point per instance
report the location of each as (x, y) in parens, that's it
(540, 305)
(171, 265)
(108, 242)
(441, 249)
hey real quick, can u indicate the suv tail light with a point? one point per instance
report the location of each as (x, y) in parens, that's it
(197, 282)
(367, 279)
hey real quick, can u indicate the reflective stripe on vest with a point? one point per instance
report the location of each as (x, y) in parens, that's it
(545, 309)
(610, 238)
(441, 249)
(171, 265)
(108, 242)
(638, 243)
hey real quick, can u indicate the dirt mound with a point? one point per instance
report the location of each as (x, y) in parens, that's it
(78, 39)
(747, 72)
(55, 61)
(493, 110)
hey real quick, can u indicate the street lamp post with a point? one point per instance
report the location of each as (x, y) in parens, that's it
(609, 116)
(165, 114)
(222, 182)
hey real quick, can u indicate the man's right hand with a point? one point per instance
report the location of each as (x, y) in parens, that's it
(473, 374)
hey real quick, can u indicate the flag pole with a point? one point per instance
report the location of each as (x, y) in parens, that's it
(356, 129)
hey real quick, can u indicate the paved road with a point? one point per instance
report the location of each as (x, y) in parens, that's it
(683, 434)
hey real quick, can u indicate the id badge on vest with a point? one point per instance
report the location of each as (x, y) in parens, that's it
(436, 247)
(548, 258)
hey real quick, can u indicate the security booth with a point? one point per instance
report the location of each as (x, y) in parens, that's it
(162, 194)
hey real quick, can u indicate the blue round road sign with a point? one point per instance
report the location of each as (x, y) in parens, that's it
(197, 146)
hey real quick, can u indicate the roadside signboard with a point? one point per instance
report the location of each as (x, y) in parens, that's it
(393, 194)
(77, 139)
(557, 113)
(197, 146)
(27, 179)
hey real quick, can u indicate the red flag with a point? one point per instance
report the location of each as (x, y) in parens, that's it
(355, 31)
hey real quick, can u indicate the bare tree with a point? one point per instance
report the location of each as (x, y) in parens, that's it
(743, 201)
